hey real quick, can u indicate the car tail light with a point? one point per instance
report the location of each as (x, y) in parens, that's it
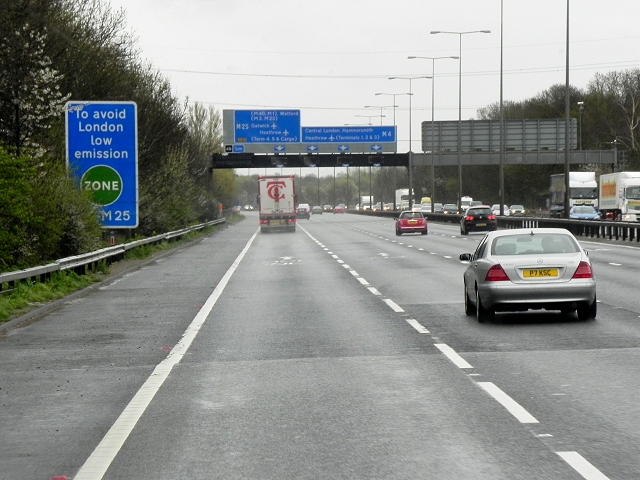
(496, 274)
(491, 217)
(583, 271)
(469, 218)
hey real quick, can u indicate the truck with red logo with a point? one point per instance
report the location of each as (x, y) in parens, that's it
(620, 196)
(277, 203)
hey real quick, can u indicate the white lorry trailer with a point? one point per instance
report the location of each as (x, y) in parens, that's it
(366, 202)
(277, 203)
(402, 199)
(620, 196)
(583, 190)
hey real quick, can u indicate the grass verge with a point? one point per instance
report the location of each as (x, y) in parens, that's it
(30, 295)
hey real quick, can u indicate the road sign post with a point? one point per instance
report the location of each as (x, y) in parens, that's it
(102, 154)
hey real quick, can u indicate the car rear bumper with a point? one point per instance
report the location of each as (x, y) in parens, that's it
(412, 229)
(510, 296)
(489, 227)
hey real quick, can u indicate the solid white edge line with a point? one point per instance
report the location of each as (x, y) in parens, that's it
(394, 306)
(513, 407)
(99, 461)
(417, 325)
(452, 355)
(582, 466)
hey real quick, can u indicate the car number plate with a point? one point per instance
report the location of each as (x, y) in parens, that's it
(481, 224)
(279, 221)
(540, 272)
(412, 222)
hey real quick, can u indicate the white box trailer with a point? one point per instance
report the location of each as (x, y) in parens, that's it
(620, 196)
(277, 203)
(583, 190)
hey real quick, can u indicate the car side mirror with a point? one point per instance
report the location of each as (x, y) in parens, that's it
(465, 257)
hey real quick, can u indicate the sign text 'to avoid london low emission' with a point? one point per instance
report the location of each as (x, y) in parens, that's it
(102, 153)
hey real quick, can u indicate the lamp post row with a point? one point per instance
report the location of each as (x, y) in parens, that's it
(432, 78)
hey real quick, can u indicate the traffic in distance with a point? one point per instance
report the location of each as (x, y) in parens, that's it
(613, 196)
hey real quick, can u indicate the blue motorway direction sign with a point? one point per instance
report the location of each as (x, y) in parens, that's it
(102, 153)
(266, 126)
(342, 135)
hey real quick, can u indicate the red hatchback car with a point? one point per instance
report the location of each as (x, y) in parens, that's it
(411, 222)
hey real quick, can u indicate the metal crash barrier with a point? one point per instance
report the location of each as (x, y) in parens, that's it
(89, 261)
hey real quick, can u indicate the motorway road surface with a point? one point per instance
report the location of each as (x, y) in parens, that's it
(338, 351)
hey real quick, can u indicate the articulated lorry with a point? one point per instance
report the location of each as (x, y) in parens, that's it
(277, 203)
(620, 196)
(583, 190)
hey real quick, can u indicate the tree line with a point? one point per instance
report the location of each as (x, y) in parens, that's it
(53, 51)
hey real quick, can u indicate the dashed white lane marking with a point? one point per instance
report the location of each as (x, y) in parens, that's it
(513, 407)
(574, 459)
(451, 354)
(582, 466)
(615, 264)
(415, 324)
(98, 462)
(394, 306)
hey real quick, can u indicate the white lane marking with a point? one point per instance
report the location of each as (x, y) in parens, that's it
(453, 356)
(98, 462)
(415, 324)
(582, 466)
(374, 291)
(363, 281)
(354, 273)
(447, 256)
(615, 264)
(394, 306)
(513, 407)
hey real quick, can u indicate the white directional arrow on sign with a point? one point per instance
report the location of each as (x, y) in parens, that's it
(279, 148)
(343, 148)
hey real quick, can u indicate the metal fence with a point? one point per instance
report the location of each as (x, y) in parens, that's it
(89, 261)
(602, 229)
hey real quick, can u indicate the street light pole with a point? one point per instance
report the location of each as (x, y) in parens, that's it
(394, 124)
(410, 141)
(460, 106)
(433, 83)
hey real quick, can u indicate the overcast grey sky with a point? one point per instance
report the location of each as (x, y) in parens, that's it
(329, 58)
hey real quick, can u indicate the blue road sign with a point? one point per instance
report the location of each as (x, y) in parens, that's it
(341, 135)
(102, 153)
(266, 126)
